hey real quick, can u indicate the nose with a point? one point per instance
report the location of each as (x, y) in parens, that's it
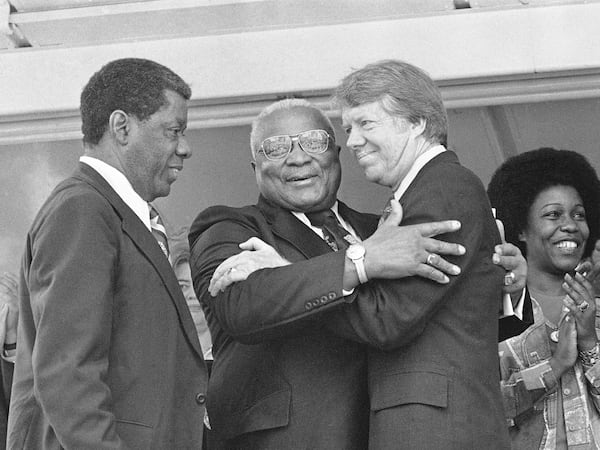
(183, 149)
(297, 155)
(568, 224)
(354, 139)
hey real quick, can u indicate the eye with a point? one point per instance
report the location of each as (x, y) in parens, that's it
(554, 214)
(579, 215)
(367, 124)
(347, 129)
(175, 132)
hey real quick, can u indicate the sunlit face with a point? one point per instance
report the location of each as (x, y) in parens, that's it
(299, 182)
(156, 149)
(556, 231)
(385, 146)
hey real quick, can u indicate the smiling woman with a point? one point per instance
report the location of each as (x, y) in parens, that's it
(549, 201)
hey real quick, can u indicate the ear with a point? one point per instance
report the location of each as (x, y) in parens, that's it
(417, 129)
(119, 126)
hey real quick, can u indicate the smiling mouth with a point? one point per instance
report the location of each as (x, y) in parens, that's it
(567, 246)
(361, 155)
(299, 178)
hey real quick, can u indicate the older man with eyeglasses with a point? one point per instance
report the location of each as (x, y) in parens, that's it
(281, 378)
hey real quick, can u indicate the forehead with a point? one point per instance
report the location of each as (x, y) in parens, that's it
(558, 194)
(291, 121)
(372, 110)
(173, 111)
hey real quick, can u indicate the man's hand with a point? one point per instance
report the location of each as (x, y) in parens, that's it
(395, 251)
(8, 301)
(510, 257)
(256, 255)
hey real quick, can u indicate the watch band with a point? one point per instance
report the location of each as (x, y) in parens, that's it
(360, 270)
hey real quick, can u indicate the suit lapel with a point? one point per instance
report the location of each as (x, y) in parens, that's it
(287, 227)
(147, 245)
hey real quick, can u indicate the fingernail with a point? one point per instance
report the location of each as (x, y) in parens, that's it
(495, 259)
(568, 277)
(461, 249)
(455, 270)
(445, 279)
(456, 224)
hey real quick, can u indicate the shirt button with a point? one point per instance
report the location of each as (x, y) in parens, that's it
(200, 398)
(566, 391)
(323, 299)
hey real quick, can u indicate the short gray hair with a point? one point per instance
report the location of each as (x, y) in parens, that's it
(284, 105)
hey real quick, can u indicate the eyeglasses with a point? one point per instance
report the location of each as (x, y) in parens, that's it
(312, 142)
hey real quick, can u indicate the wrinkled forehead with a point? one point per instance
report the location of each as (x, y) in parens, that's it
(291, 122)
(364, 111)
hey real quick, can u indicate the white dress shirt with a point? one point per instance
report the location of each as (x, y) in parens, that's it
(122, 187)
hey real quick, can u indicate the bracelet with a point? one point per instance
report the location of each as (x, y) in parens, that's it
(12, 346)
(591, 356)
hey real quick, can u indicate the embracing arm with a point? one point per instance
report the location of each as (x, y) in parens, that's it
(71, 279)
(266, 302)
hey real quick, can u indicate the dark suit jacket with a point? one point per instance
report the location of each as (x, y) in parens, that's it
(107, 355)
(434, 383)
(279, 382)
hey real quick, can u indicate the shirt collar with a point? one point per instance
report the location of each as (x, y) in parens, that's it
(302, 218)
(121, 185)
(416, 168)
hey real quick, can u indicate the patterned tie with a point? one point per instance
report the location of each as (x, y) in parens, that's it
(336, 236)
(158, 230)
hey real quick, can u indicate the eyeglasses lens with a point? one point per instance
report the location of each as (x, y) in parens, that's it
(311, 141)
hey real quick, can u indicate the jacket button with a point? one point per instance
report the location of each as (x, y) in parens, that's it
(323, 299)
(308, 306)
(332, 296)
(200, 398)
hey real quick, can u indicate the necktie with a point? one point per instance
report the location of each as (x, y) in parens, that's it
(158, 230)
(336, 236)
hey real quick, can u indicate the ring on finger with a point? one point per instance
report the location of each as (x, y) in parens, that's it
(583, 306)
(509, 278)
(429, 259)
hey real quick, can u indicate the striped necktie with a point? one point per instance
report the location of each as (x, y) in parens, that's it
(336, 236)
(158, 230)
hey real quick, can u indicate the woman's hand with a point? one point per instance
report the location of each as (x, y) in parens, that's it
(582, 306)
(565, 354)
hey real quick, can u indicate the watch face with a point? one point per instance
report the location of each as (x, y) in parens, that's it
(355, 251)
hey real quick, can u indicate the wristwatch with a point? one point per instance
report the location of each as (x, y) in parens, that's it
(356, 253)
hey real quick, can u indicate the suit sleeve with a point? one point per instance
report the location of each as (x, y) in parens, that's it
(71, 278)
(271, 303)
(388, 314)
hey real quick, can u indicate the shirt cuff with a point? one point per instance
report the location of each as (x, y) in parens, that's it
(509, 310)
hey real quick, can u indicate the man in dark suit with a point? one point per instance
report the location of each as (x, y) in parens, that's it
(280, 378)
(107, 354)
